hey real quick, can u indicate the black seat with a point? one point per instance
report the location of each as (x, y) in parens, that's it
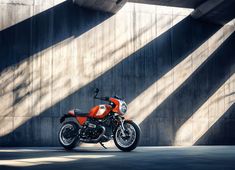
(78, 112)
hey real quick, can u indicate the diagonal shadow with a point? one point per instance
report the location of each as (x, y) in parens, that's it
(222, 132)
(180, 106)
(45, 29)
(128, 78)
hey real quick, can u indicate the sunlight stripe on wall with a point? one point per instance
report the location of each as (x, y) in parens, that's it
(207, 115)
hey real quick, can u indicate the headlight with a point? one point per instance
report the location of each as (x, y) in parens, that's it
(123, 107)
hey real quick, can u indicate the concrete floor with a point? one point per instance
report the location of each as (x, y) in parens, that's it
(164, 158)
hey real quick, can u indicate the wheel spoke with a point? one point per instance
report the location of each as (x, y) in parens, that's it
(128, 139)
(65, 134)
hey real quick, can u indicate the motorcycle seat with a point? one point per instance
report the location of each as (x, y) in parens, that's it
(78, 112)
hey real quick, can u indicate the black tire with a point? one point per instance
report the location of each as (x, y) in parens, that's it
(75, 141)
(136, 142)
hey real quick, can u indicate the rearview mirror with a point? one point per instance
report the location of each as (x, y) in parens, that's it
(96, 92)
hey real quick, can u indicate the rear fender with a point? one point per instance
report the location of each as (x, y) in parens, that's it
(80, 120)
(69, 114)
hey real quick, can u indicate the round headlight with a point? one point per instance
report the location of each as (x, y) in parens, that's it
(123, 107)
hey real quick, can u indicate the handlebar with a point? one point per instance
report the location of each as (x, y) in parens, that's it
(102, 98)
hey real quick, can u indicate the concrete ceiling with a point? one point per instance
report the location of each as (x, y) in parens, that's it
(216, 11)
(222, 13)
(176, 3)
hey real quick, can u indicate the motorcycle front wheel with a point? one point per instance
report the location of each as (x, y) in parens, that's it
(128, 141)
(68, 135)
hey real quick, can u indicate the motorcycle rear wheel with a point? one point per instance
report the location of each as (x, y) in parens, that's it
(131, 141)
(68, 142)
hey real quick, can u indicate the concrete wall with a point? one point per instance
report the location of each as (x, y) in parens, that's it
(169, 67)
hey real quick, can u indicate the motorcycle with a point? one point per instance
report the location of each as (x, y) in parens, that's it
(102, 123)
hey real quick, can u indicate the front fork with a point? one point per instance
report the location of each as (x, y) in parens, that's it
(121, 119)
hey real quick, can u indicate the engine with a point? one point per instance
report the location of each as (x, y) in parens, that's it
(91, 131)
(96, 131)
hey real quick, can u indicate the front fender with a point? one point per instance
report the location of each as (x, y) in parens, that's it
(131, 121)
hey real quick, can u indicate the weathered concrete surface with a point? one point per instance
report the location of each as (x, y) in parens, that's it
(52, 61)
(102, 5)
(164, 158)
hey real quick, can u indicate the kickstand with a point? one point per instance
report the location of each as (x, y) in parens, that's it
(102, 145)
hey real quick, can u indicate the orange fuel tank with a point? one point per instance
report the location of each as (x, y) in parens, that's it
(99, 111)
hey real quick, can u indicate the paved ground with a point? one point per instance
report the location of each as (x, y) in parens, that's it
(163, 158)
